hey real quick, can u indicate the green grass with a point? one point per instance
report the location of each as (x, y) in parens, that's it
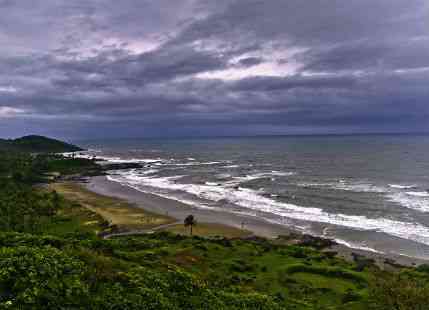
(115, 211)
(259, 266)
(73, 218)
(320, 281)
(326, 271)
(209, 230)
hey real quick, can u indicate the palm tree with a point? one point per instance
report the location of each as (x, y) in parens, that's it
(190, 221)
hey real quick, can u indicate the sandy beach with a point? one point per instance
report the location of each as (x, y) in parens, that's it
(260, 227)
(179, 210)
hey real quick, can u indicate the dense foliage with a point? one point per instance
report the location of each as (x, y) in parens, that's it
(54, 273)
(50, 258)
(23, 168)
(25, 210)
(37, 144)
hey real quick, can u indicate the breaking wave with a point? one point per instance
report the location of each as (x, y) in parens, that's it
(253, 200)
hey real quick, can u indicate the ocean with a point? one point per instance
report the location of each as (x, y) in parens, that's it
(365, 191)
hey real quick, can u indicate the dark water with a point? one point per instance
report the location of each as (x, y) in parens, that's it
(365, 191)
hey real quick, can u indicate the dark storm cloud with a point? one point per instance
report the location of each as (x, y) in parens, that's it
(370, 55)
(213, 67)
(251, 61)
(275, 83)
(130, 70)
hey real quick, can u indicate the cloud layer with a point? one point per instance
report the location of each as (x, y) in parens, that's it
(199, 67)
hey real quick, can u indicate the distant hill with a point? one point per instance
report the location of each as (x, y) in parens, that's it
(37, 144)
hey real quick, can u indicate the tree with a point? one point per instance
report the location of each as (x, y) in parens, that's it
(56, 201)
(190, 221)
(399, 292)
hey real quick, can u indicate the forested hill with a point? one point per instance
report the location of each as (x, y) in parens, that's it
(37, 144)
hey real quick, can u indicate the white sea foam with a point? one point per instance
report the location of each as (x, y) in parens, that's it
(281, 173)
(362, 187)
(357, 246)
(347, 186)
(118, 160)
(223, 176)
(111, 159)
(261, 175)
(415, 202)
(193, 163)
(167, 196)
(212, 184)
(150, 171)
(399, 186)
(418, 194)
(81, 154)
(309, 184)
(253, 200)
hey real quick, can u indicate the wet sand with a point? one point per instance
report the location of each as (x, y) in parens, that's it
(180, 211)
(258, 226)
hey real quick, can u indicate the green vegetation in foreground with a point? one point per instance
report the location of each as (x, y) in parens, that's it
(51, 258)
(208, 230)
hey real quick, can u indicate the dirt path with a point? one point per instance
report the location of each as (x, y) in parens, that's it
(140, 232)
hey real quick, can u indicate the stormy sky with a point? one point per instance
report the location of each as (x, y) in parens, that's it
(96, 68)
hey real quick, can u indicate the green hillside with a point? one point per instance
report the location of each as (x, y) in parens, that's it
(37, 144)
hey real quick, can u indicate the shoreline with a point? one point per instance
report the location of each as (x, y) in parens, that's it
(178, 210)
(258, 226)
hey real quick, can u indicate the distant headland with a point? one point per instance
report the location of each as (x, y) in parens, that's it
(37, 144)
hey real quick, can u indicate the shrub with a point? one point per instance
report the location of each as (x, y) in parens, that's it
(423, 268)
(399, 292)
(44, 277)
(326, 271)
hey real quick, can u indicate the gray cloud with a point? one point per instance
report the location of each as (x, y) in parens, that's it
(267, 84)
(247, 66)
(251, 61)
(370, 55)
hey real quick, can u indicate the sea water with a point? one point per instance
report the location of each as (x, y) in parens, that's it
(365, 191)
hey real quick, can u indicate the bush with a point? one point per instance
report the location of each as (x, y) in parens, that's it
(326, 271)
(298, 252)
(32, 278)
(252, 301)
(423, 268)
(399, 292)
(241, 266)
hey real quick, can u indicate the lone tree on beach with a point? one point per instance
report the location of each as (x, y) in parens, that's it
(190, 221)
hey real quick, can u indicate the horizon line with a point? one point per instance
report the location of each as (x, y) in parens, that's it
(260, 136)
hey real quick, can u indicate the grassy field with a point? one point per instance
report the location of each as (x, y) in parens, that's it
(113, 210)
(301, 277)
(73, 218)
(209, 230)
